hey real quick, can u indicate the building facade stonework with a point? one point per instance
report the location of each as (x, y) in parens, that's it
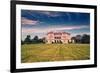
(58, 37)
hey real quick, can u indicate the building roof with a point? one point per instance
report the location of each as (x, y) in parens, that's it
(50, 32)
(60, 33)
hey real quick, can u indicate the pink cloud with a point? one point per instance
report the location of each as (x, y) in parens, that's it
(66, 28)
(74, 27)
(28, 21)
(24, 30)
(45, 30)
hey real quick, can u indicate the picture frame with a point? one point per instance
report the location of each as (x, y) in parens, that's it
(18, 23)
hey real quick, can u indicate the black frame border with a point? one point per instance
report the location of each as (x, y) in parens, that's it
(13, 36)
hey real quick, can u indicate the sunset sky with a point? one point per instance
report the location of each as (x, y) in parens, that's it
(40, 22)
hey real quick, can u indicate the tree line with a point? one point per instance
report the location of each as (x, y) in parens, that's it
(77, 39)
(85, 39)
(35, 40)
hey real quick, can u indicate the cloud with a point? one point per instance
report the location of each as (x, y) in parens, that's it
(45, 30)
(51, 14)
(25, 21)
(73, 27)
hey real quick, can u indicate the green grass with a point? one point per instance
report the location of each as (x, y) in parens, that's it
(54, 52)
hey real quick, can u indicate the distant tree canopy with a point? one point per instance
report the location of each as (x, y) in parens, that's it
(22, 42)
(85, 38)
(27, 39)
(78, 38)
(81, 38)
(35, 40)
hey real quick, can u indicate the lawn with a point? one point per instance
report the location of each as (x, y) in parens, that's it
(54, 52)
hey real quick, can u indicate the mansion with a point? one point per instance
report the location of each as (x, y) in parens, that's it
(58, 37)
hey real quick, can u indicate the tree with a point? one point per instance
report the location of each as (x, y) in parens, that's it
(78, 38)
(22, 42)
(27, 39)
(35, 38)
(85, 38)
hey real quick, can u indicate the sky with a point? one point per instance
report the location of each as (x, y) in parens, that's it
(41, 22)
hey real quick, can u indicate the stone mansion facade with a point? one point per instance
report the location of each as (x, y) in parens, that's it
(58, 37)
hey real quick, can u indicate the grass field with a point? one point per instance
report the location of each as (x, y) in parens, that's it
(54, 52)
